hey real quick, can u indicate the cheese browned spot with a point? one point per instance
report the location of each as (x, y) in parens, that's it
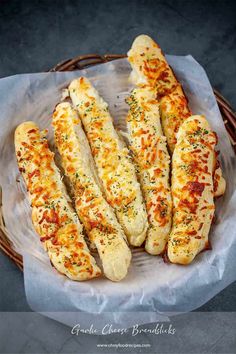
(153, 164)
(150, 68)
(52, 215)
(114, 165)
(192, 190)
(94, 212)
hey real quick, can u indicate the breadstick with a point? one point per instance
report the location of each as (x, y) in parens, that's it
(52, 215)
(192, 190)
(114, 165)
(94, 212)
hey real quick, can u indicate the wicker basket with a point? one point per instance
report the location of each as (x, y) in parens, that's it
(79, 63)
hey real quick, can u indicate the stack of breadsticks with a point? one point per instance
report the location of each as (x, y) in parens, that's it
(158, 191)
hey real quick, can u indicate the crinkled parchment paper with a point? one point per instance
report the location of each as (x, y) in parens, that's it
(151, 286)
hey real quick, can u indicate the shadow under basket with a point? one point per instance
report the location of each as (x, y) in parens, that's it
(85, 61)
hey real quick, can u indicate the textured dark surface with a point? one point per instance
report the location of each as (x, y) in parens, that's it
(35, 35)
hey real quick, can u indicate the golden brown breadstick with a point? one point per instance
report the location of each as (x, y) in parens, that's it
(192, 190)
(153, 164)
(94, 212)
(115, 167)
(52, 215)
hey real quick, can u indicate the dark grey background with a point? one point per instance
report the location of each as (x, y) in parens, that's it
(35, 35)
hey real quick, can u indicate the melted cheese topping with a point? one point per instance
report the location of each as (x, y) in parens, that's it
(192, 190)
(52, 214)
(112, 159)
(95, 213)
(151, 68)
(174, 111)
(153, 164)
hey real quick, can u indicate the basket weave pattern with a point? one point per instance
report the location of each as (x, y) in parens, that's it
(85, 61)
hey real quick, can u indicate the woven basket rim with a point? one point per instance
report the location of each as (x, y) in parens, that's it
(84, 61)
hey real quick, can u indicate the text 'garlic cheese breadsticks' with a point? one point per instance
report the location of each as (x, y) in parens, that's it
(192, 190)
(151, 68)
(94, 212)
(112, 159)
(52, 215)
(153, 164)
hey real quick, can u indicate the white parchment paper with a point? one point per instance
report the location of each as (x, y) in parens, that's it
(151, 286)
